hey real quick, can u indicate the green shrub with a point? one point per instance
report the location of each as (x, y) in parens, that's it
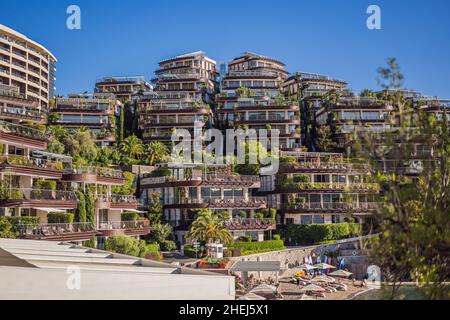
(45, 185)
(9, 226)
(132, 247)
(89, 243)
(257, 247)
(191, 252)
(276, 237)
(316, 233)
(168, 245)
(54, 217)
(130, 216)
(301, 178)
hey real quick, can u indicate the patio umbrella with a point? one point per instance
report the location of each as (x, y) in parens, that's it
(306, 267)
(341, 273)
(312, 288)
(251, 296)
(324, 266)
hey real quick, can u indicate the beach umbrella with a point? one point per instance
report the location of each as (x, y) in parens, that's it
(265, 290)
(324, 266)
(312, 288)
(323, 278)
(341, 273)
(342, 264)
(251, 296)
(318, 260)
(306, 267)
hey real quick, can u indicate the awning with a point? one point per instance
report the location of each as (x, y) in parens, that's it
(49, 210)
(134, 210)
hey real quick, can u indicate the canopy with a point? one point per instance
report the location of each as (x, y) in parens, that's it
(313, 288)
(306, 266)
(251, 296)
(49, 210)
(324, 266)
(341, 273)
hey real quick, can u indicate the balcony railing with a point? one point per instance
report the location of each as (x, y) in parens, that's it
(38, 194)
(22, 113)
(250, 224)
(333, 206)
(123, 225)
(117, 198)
(103, 172)
(55, 229)
(7, 127)
(329, 186)
(224, 202)
(16, 160)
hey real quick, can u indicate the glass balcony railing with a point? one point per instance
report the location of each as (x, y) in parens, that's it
(54, 229)
(124, 225)
(103, 172)
(16, 160)
(333, 206)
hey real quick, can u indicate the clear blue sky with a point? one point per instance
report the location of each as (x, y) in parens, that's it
(328, 36)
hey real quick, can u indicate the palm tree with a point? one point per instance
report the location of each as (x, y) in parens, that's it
(132, 147)
(156, 152)
(209, 227)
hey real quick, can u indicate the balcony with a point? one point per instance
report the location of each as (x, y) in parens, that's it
(22, 114)
(221, 203)
(94, 175)
(252, 224)
(216, 180)
(288, 186)
(129, 228)
(116, 201)
(37, 198)
(58, 231)
(22, 135)
(338, 207)
(31, 166)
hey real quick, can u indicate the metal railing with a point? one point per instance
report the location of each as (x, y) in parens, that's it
(38, 194)
(7, 127)
(249, 224)
(54, 229)
(122, 225)
(23, 113)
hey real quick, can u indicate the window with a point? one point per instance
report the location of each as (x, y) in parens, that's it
(306, 219)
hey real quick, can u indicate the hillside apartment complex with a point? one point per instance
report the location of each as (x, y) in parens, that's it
(253, 91)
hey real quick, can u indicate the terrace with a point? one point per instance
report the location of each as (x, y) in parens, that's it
(116, 201)
(129, 228)
(221, 203)
(93, 175)
(18, 134)
(77, 231)
(251, 224)
(38, 198)
(330, 206)
(32, 166)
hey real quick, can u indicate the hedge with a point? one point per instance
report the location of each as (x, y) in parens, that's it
(258, 247)
(190, 251)
(319, 233)
(54, 217)
(9, 226)
(132, 247)
(130, 216)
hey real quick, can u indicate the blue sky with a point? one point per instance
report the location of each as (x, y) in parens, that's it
(327, 36)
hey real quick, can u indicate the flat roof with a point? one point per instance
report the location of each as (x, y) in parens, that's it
(256, 266)
(44, 267)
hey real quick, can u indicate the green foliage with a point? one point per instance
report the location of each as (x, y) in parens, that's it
(132, 147)
(128, 187)
(133, 247)
(90, 243)
(168, 245)
(130, 216)
(160, 232)
(156, 152)
(191, 252)
(54, 217)
(90, 209)
(45, 184)
(81, 207)
(276, 237)
(315, 233)
(155, 209)
(122, 124)
(9, 226)
(247, 248)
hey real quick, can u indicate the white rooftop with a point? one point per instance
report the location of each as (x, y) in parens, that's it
(31, 269)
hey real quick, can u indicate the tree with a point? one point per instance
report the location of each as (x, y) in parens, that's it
(155, 209)
(132, 147)
(324, 139)
(90, 209)
(156, 152)
(122, 124)
(412, 221)
(160, 232)
(390, 77)
(209, 228)
(81, 208)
